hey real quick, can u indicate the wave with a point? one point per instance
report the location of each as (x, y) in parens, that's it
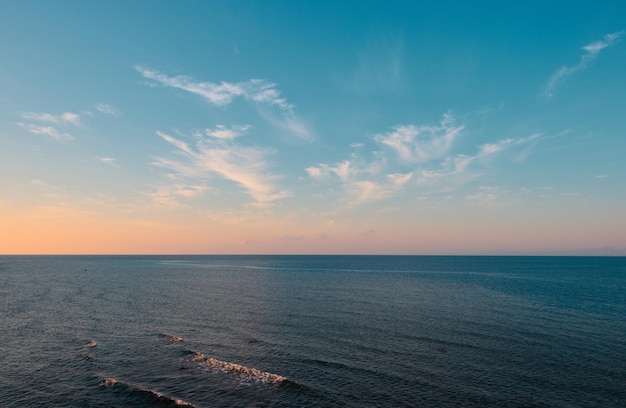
(244, 372)
(172, 338)
(145, 393)
(86, 357)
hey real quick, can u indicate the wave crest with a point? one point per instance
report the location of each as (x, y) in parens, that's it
(145, 393)
(245, 372)
(172, 338)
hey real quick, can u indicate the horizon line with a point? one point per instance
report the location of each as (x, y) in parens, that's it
(619, 254)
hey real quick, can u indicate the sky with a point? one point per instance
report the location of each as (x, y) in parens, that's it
(312, 127)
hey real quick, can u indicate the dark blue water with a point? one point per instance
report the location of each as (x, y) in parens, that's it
(353, 331)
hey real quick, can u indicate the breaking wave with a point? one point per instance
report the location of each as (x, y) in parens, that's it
(244, 372)
(172, 338)
(145, 393)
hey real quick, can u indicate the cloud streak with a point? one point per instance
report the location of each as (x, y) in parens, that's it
(62, 119)
(171, 195)
(227, 133)
(108, 109)
(591, 51)
(220, 156)
(109, 161)
(421, 143)
(258, 91)
(425, 160)
(460, 164)
(47, 131)
(48, 124)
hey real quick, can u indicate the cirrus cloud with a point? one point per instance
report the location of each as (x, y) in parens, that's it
(592, 50)
(220, 157)
(48, 124)
(426, 159)
(259, 91)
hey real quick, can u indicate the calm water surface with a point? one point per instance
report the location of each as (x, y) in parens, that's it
(318, 331)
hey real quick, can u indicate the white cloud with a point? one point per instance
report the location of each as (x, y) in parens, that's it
(345, 170)
(224, 132)
(42, 123)
(426, 161)
(220, 94)
(459, 165)
(243, 165)
(110, 161)
(287, 121)
(421, 143)
(318, 173)
(108, 109)
(363, 181)
(64, 118)
(348, 170)
(46, 130)
(170, 195)
(217, 94)
(591, 52)
(365, 191)
(261, 91)
(488, 149)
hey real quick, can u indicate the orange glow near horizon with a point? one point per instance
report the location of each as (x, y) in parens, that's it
(92, 235)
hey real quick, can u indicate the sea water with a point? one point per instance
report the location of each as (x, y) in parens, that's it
(313, 331)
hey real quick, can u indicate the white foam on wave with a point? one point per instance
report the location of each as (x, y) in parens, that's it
(108, 382)
(151, 394)
(173, 338)
(245, 372)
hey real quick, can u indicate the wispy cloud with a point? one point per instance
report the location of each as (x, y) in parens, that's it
(503, 144)
(109, 161)
(258, 91)
(108, 109)
(591, 51)
(217, 94)
(48, 124)
(421, 143)
(379, 67)
(426, 160)
(225, 132)
(349, 169)
(211, 156)
(171, 195)
(62, 119)
(362, 180)
(47, 131)
(366, 190)
(459, 165)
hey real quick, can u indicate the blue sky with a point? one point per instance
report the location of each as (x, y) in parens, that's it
(312, 127)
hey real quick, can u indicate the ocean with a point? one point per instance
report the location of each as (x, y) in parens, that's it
(312, 331)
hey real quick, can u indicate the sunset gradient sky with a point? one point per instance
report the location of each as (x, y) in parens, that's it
(312, 127)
